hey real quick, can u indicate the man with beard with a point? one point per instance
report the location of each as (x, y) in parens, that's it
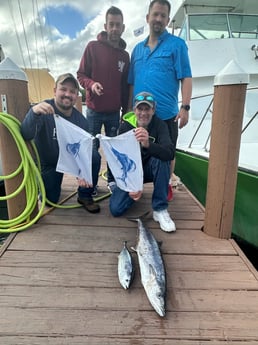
(160, 65)
(39, 124)
(103, 73)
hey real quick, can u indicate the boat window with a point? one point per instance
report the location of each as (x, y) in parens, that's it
(244, 26)
(183, 31)
(216, 26)
(208, 26)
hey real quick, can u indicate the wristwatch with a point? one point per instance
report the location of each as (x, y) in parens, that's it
(185, 107)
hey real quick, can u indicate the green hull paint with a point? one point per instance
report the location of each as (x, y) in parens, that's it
(193, 172)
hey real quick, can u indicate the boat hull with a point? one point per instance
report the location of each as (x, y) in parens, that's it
(193, 171)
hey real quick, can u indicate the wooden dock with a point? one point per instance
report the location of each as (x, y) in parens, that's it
(59, 282)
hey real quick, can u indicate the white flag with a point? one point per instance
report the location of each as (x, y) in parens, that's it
(75, 149)
(123, 155)
(138, 31)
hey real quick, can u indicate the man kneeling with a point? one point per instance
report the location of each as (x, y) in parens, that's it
(157, 151)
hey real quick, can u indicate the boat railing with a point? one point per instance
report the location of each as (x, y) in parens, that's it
(208, 111)
(249, 122)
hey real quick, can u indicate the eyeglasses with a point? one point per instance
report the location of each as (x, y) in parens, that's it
(144, 98)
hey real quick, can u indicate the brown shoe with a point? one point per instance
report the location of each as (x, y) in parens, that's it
(89, 205)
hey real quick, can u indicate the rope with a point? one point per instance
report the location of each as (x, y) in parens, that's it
(32, 182)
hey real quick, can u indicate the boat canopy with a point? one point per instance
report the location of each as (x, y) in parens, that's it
(217, 26)
(181, 8)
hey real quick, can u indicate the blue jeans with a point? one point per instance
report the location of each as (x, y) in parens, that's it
(110, 121)
(53, 180)
(155, 171)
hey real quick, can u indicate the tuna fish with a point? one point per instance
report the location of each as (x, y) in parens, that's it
(125, 267)
(152, 269)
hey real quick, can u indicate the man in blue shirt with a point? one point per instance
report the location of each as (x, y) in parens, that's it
(160, 65)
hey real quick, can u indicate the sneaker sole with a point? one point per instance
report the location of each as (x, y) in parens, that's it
(156, 220)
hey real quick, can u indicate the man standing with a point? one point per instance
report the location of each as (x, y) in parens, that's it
(160, 65)
(39, 124)
(103, 72)
(157, 151)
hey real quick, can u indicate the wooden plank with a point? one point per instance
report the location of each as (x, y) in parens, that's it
(100, 270)
(106, 239)
(88, 298)
(83, 277)
(129, 325)
(94, 340)
(86, 260)
(137, 210)
(68, 218)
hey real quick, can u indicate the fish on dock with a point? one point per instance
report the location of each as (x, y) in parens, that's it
(125, 267)
(152, 268)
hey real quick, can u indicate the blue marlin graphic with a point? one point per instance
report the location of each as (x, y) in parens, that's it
(74, 149)
(127, 164)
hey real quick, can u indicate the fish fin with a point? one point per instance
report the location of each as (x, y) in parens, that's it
(135, 219)
(152, 271)
(133, 249)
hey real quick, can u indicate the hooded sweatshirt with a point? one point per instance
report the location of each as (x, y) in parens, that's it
(161, 146)
(109, 66)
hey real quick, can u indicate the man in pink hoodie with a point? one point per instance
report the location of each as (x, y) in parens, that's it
(103, 74)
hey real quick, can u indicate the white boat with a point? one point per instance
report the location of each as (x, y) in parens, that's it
(218, 32)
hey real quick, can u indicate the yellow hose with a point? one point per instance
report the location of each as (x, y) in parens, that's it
(32, 182)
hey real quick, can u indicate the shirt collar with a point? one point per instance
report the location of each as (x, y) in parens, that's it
(161, 37)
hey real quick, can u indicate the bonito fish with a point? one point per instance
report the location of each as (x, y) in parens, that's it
(152, 269)
(125, 267)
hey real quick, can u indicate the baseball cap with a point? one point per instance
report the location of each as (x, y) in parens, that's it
(67, 76)
(144, 97)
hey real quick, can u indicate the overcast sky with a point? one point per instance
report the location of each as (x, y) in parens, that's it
(53, 34)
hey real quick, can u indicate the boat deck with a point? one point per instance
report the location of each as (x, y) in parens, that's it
(59, 281)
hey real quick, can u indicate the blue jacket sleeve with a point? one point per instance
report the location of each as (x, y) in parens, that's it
(29, 126)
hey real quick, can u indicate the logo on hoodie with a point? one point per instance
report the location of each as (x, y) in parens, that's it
(121, 65)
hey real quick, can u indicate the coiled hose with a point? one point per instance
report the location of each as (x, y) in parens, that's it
(32, 182)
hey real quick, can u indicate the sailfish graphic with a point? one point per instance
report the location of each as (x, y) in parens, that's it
(127, 164)
(74, 149)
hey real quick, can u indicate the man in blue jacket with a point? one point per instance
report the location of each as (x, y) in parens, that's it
(157, 150)
(39, 124)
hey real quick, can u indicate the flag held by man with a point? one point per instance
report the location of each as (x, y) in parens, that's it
(123, 155)
(75, 150)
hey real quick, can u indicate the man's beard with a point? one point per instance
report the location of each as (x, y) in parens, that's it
(63, 106)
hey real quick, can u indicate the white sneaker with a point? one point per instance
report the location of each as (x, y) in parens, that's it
(165, 222)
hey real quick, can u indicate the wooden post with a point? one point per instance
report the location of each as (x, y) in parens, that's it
(14, 101)
(228, 108)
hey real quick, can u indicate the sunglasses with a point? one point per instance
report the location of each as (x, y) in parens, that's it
(144, 98)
